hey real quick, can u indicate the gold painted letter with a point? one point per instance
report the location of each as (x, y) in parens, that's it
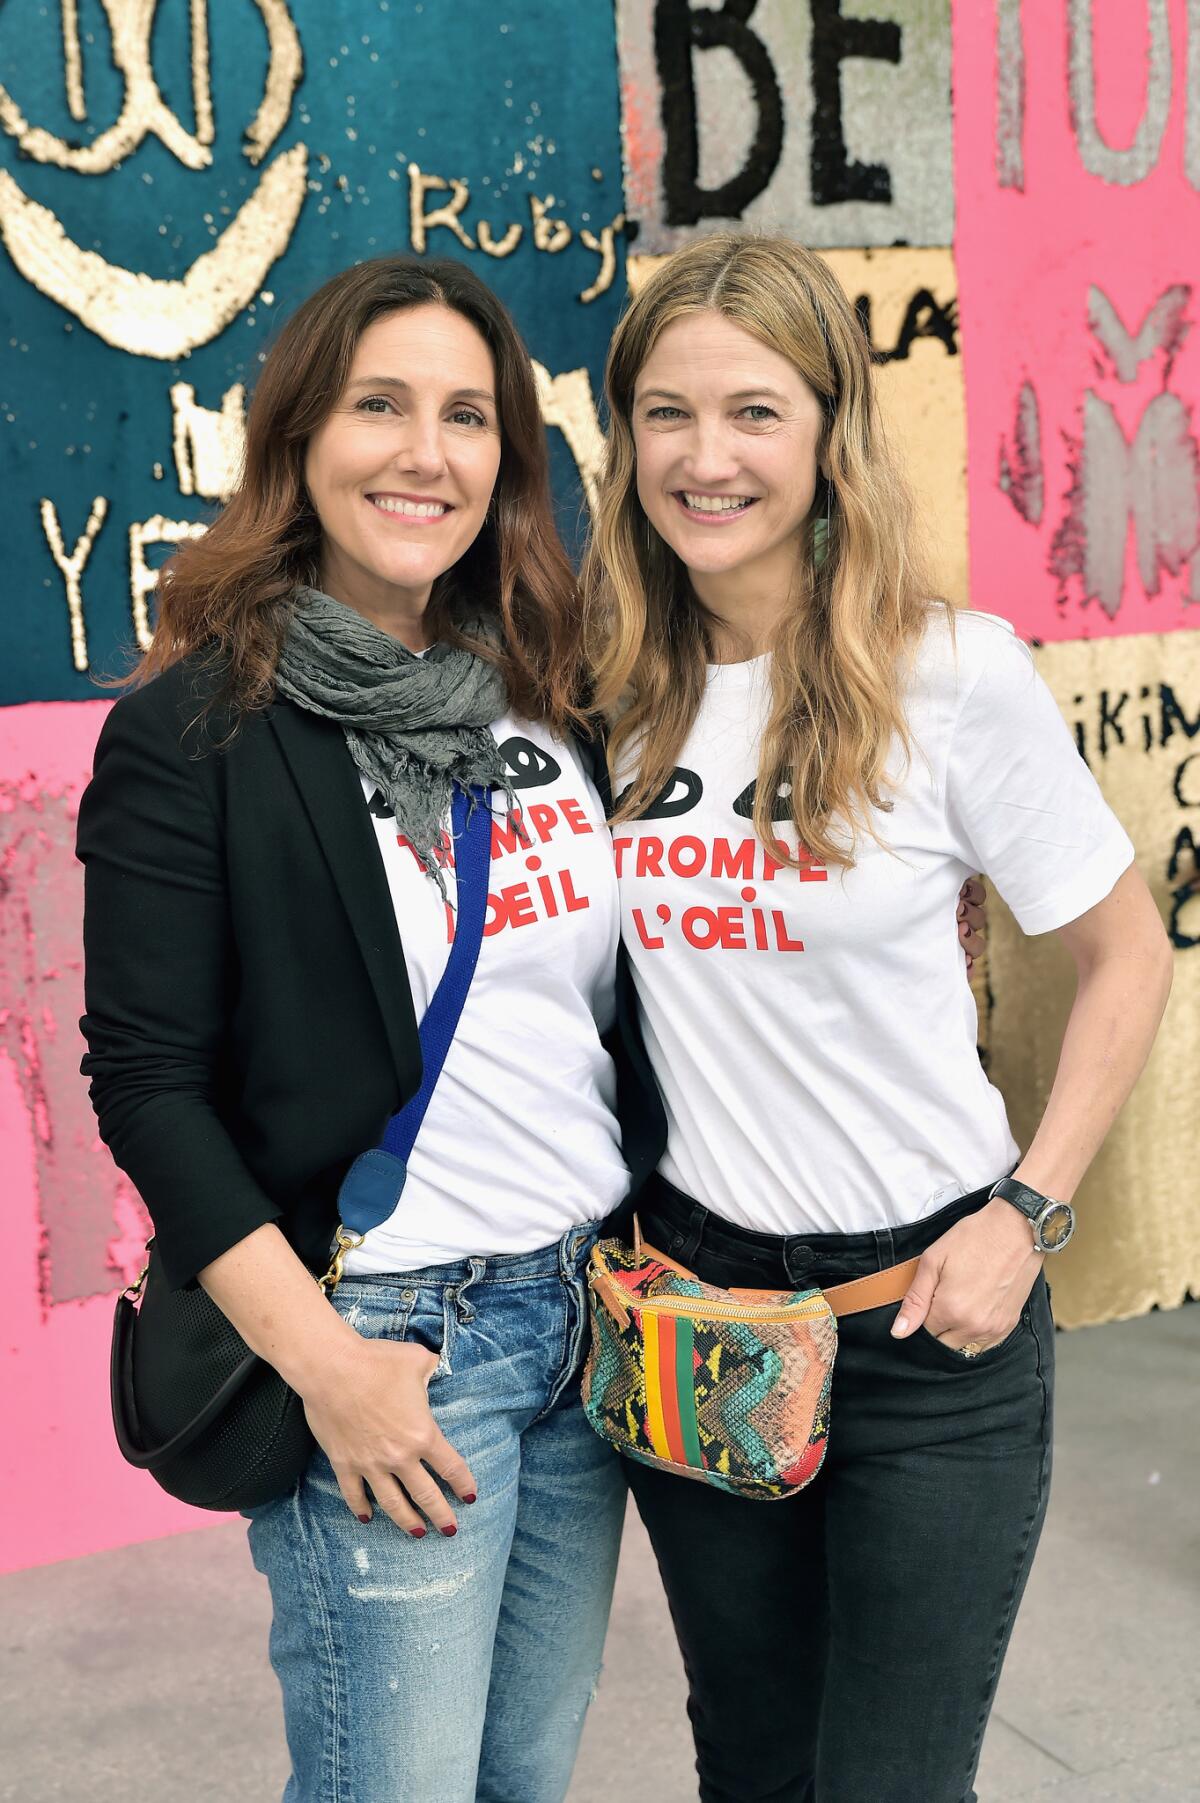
(566, 402)
(72, 568)
(209, 446)
(605, 247)
(507, 244)
(142, 579)
(421, 223)
(548, 234)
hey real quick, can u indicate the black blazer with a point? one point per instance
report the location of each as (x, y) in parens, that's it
(249, 1023)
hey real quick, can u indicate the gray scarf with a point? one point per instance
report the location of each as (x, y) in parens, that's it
(415, 726)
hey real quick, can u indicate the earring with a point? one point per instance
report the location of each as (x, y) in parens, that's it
(822, 527)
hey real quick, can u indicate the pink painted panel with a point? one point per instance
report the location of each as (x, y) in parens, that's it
(74, 1229)
(1077, 220)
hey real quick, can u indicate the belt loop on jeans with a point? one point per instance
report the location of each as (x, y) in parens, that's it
(685, 1242)
(885, 1249)
(569, 1247)
(463, 1309)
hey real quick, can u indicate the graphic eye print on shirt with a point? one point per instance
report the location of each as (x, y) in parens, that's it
(781, 808)
(744, 925)
(680, 795)
(541, 894)
(527, 766)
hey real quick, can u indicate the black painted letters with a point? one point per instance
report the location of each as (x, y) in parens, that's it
(834, 177)
(679, 32)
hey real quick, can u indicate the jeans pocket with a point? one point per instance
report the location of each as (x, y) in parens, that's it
(375, 1311)
(971, 1361)
(430, 1323)
(420, 1315)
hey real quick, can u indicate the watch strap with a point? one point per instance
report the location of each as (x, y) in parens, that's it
(1052, 1222)
(1031, 1202)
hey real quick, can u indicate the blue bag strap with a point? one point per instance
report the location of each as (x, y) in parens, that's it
(471, 826)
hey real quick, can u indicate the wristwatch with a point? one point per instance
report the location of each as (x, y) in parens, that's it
(1053, 1222)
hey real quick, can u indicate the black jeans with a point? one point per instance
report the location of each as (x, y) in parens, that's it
(844, 1645)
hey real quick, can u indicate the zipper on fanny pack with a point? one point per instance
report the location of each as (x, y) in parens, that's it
(702, 1310)
(705, 1309)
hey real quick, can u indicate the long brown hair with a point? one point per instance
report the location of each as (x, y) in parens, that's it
(861, 597)
(229, 593)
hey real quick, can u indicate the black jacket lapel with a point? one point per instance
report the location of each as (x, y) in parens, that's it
(325, 774)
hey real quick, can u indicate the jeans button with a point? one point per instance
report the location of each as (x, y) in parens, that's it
(677, 1243)
(408, 1295)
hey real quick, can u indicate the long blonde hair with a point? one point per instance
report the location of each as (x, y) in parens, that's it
(862, 598)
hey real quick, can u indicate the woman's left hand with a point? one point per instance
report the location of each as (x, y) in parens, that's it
(972, 1284)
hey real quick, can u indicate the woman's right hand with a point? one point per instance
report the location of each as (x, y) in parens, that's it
(366, 1401)
(369, 1411)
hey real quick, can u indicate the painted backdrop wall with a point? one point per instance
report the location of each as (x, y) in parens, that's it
(175, 176)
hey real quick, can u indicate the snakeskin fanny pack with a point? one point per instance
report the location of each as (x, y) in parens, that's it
(728, 1386)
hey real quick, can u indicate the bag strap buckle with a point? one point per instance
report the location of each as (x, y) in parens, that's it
(343, 1241)
(133, 1290)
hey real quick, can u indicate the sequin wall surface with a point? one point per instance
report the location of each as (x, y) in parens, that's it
(175, 175)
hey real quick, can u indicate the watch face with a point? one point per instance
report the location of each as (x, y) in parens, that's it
(1056, 1226)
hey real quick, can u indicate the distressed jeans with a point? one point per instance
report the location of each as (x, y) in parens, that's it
(446, 1670)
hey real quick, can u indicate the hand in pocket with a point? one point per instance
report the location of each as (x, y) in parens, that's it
(371, 1417)
(973, 1282)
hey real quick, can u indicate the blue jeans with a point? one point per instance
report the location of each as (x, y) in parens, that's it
(455, 1669)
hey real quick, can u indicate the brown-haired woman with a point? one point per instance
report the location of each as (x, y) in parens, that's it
(382, 614)
(810, 757)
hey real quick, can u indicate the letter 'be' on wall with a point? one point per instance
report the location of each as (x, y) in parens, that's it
(782, 115)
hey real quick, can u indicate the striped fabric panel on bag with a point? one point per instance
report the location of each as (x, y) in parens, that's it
(670, 1392)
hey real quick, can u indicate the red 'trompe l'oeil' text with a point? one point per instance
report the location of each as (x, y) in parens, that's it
(730, 929)
(542, 895)
(746, 860)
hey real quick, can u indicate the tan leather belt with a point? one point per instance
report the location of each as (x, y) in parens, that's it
(876, 1290)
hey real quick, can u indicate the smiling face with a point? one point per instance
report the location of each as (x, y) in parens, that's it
(402, 471)
(727, 436)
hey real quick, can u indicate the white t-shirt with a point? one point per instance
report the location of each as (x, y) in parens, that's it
(813, 1032)
(520, 1142)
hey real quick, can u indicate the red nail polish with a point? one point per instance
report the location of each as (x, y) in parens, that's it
(417, 1533)
(470, 1498)
(449, 1532)
(364, 1519)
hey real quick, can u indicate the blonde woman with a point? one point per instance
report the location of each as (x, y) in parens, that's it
(810, 755)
